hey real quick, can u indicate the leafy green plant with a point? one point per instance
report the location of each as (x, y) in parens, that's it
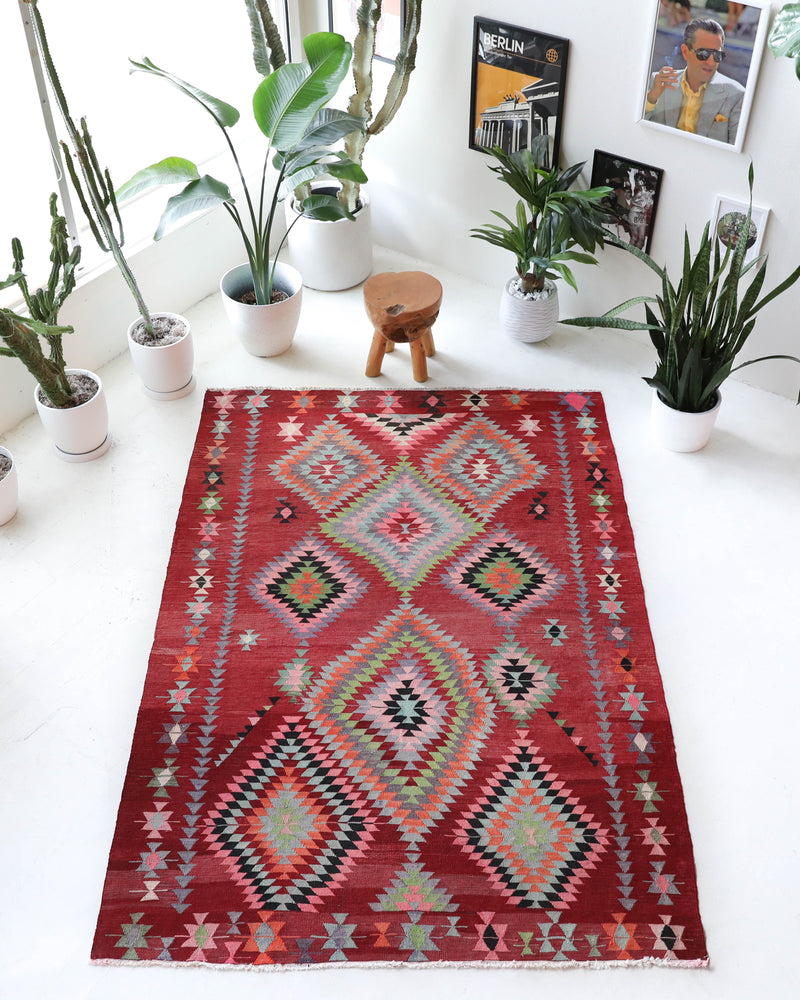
(784, 36)
(92, 183)
(288, 106)
(551, 217)
(22, 336)
(699, 326)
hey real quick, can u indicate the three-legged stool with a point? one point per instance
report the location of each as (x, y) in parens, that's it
(403, 307)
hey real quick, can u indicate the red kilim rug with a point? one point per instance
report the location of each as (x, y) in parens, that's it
(402, 704)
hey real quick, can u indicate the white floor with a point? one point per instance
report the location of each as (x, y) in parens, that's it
(81, 570)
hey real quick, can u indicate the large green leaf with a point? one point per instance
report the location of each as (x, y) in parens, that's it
(224, 114)
(784, 37)
(172, 170)
(206, 192)
(286, 102)
(329, 126)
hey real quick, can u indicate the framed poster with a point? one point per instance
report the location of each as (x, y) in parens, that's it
(634, 200)
(728, 222)
(342, 19)
(703, 67)
(518, 79)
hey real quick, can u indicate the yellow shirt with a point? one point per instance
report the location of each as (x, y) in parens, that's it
(690, 107)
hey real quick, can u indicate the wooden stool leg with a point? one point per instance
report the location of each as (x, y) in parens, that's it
(427, 343)
(418, 363)
(376, 353)
(390, 346)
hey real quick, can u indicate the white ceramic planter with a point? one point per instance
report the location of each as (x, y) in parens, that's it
(678, 430)
(267, 330)
(529, 320)
(78, 433)
(9, 490)
(166, 370)
(332, 255)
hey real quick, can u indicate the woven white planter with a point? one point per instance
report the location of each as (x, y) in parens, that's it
(166, 370)
(78, 433)
(527, 319)
(332, 255)
(9, 490)
(267, 330)
(678, 430)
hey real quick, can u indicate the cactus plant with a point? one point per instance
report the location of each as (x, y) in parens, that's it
(21, 336)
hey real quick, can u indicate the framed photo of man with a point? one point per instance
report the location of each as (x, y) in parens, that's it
(703, 67)
(634, 199)
(518, 79)
(342, 19)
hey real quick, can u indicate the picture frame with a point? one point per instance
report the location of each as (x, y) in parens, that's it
(635, 198)
(728, 86)
(518, 82)
(728, 213)
(342, 19)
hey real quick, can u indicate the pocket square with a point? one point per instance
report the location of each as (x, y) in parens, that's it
(720, 118)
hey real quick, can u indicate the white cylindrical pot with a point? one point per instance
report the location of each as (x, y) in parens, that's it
(332, 255)
(166, 369)
(529, 319)
(78, 433)
(678, 430)
(9, 489)
(267, 330)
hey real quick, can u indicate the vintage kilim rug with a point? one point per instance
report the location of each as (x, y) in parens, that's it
(402, 704)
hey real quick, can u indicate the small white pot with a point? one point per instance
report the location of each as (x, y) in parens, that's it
(678, 430)
(526, 319)
(9, 490)
(267, 330)
(166, 370)
(332, 255)
(78, 433)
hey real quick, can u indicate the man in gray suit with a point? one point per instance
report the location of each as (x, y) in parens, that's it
(700, 99)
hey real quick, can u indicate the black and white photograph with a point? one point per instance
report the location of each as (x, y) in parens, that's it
(634, 198)
(518, 79)
(703, 68)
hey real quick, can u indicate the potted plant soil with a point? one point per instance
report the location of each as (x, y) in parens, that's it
(70, 401)
(552, 219)
(8, 486)
(160, 343)
(337, 253)
(289, 108)
(698, 327)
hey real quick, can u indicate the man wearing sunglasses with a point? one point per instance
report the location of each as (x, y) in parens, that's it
(701, 99)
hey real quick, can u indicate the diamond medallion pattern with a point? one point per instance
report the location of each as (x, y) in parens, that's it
(402, 704)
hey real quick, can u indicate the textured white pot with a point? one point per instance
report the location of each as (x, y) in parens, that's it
(526, 319)
(9, 490)
(267, 330)
(678, 430)
(78, 433)
(166, 370)
(331, 255)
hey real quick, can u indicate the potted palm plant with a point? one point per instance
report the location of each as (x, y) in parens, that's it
(337, 253)
(262, 296)
(552, 219)
(160, 343)
(70, 401)
(698, 328)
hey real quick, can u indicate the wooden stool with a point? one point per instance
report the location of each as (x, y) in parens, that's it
(402, 307)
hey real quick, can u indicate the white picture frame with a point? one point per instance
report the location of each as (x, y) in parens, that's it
(724, 208)
(723, 116)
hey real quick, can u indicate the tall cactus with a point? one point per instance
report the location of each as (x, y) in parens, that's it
(268, 51)
(96, 191)
(20, 335)
(368, 15)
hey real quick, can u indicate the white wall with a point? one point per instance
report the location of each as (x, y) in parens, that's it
(429, 188)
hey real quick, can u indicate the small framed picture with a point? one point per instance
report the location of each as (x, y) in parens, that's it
(703, 68)
(634, 199)
(728, 222)
(518, 79)
(342, 19)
